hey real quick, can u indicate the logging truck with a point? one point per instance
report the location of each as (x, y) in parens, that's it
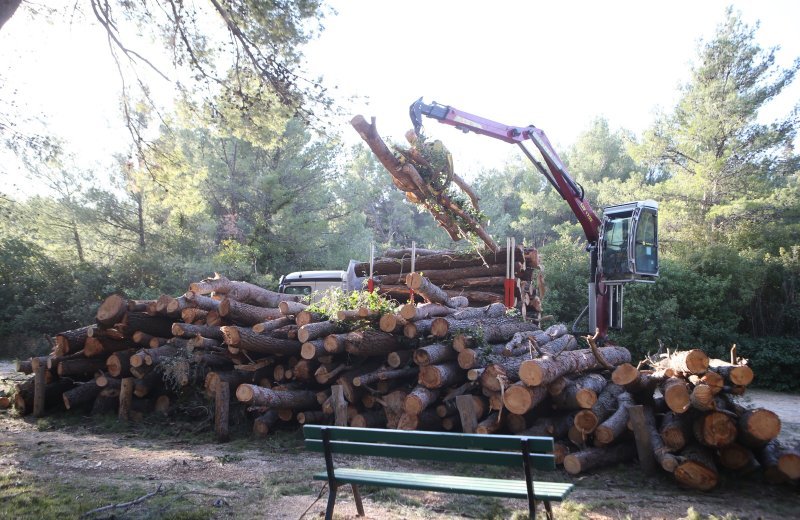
(311, 283)
(622, 245)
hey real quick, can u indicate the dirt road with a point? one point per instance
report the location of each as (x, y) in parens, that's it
(63, 466)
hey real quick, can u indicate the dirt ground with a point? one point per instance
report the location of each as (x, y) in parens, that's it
(80, 463)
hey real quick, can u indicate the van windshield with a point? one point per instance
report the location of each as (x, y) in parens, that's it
(297, 289)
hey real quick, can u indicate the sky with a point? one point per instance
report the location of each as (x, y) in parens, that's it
(556, 65)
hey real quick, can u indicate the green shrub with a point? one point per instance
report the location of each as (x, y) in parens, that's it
(774, 361)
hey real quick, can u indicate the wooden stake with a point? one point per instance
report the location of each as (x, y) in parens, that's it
(339, 405)
(644, 447)
(467, 413)
(39, 384)
(125, 398)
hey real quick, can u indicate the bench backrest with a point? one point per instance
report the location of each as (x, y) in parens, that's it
(500, 450)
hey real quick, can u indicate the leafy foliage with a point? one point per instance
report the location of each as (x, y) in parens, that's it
(334, 299)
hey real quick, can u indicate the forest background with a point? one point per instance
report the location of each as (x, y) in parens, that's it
(243, 177)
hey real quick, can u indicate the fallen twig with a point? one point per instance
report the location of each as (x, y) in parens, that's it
(124, 505)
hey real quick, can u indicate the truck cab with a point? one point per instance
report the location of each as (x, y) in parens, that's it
(311, 283)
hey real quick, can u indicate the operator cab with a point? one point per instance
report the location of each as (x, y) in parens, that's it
(629, 243)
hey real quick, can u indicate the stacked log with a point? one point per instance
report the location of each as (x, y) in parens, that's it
(439, 365)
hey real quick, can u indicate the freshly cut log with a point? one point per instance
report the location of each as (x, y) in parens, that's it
(313, 349)
(758, 426)
(96, 347)
(398, 358)
(187, 330)
(335, 343)
(493, 310)
(430, 291)
(702, 397)
(154, 325)
(385, 375)
(544, 371)
(696, 469)
(290, 308)
(139, 305)
(676, 394)
(392, 323)
(80, 367)
(317, 330)
(246, 339)
(492, 424)
(715, 429)
(242, 291)
(693, 361)
(111, 310)
(294, 399)
(433, 354)
(246, 315)
(193, 315)
(661, 452)
(417, 328)
(376, 419)
(585, 460)
(371, 343)
(616, 424)
(739, 375)
(485, 297)
(413, 312)
(520, 398)
(125, 399)
(443, 277)
(306, 317)
(24, 366)
(676, 430)
(446, 261)
(71, 340)
(735, 457)
(270, 325)
(580, 393)
(201, 301)
(83, 393)
(419, 399)
(427, 421)
(118, 364)
(313, 417)
(588, 420)
(264, 423)
(438, 376)
(768, 456)
(325, 374)
(789, 462)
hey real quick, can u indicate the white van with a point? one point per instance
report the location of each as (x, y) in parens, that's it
(309, 282)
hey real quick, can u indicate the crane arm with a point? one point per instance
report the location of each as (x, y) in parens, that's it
(554, 171)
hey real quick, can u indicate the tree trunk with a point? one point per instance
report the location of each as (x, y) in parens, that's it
(246, 315)
(265, 422)
(520, 398)
(412, 312)
(71, 340)
(715, 429)
(78, 367)
(186, 330)
(739, 375)
(584, 460)
(676, 394)
(430, 291)
(419, 399)
(248, 340)
(588, 420)
(697, 469)
(693, 361)
(580, 393)
(769, 457)
(616, 424)
(142, 322)
(376, 419)
(433, 354)
(544, 371)
(317, 330)
(438, 376)
(242, 291)
(222, 400)
(758, 426)
(370, 343)
(676, 430)
(447, 261)
(295, 399)
(385, 375)
(111, 311)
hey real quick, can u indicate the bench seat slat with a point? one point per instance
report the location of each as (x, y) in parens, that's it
(433, 439)
(554, 491)
(539, 461)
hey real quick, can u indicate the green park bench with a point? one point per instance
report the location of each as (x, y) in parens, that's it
(523, 453)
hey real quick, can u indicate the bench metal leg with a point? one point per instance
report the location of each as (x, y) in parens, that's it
(357, 497)
(548, 510)
(331, 501)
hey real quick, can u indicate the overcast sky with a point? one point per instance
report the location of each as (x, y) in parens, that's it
(556, 65)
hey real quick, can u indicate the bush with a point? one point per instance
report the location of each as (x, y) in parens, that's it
(774, 361)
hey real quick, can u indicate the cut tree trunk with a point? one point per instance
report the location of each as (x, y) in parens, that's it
(270, 325)
(385, 375)
(187, 330)
(544, 371)
(697, 469)
(616, 424)
(246, 339)
(580, 393)
(430, 291)
(676, 394)
(246, 315)
(676, 430)
(434, 353)
(584, 460)
(242, 291)
(295, 399)
(71, 340)
(688, 362)
(738, 375)
(588, 420)
(419, 399)
(715, 429)
(317, 330)
(520, 398)
(111, 311)
(438, 376)
(371, 343)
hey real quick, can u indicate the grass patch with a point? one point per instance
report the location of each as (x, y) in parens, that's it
(691, 514)
(286, 483)
(391, 496)
(23, 496)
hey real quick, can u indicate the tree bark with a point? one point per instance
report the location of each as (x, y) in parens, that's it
(676, 394)
(111, 311)
(545, 370)
(317, 330)
(588, 420)
(248, 340)
(580, 393)
(438, 376)
(585, 460)
(246, 315)
(616, 424)
(186, 330)
(419, 399)
(520, 398)
(371, 343)
(71, 340)
(676, 430)
(385, 375)
(693, 361)
(295, 399)
(434, 354)
(242, 291)
(715, 429)
(739, 375)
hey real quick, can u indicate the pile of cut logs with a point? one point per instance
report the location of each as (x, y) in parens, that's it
(438, 365)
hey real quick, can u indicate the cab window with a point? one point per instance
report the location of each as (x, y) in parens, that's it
(646, 245)
(615, 247)
(297, 289)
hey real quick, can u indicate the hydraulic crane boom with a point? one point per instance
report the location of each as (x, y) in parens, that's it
(608, 270)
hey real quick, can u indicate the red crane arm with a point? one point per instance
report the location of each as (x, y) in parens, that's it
(556, 173)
